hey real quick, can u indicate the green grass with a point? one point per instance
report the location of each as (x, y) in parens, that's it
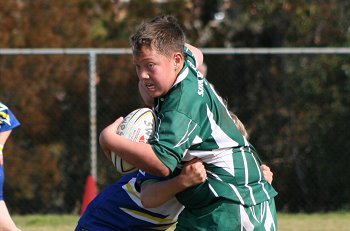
(46, 222)
(337, 221)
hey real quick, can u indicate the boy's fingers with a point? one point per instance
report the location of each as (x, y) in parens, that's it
(265, 167)
(194, 160)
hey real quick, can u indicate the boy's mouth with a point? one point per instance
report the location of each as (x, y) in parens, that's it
(149, 86)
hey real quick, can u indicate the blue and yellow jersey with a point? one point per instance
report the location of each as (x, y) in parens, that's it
(8, 121)
(119, 207)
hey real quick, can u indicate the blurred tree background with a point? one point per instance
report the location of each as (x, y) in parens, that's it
(296, 107)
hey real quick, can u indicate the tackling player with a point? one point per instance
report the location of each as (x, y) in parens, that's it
(119, 206)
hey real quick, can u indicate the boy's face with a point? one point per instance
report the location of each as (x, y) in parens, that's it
(157, 73)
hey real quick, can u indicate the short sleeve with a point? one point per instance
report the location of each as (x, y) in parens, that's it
(174, 137)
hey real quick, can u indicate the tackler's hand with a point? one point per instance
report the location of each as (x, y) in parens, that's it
(193, 172)
(267, 173)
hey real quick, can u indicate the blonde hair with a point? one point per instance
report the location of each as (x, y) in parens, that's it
(239, 125)
(163, 33)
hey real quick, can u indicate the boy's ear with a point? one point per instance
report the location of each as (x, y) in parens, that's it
(178, 59)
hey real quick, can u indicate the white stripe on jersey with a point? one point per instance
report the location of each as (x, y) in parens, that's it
(197, 140)
(269, 222)
(182, 76)
(188, 132)
(260, 178)
(246, 176)
(231, 185)
(246, 225)
(213, 190)
(249, 218)
(222, 158)
(220, 137)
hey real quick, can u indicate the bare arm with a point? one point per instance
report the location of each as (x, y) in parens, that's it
(3, 138)
(154, 194)
(140, 155)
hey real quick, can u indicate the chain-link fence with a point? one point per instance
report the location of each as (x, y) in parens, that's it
(294, 103)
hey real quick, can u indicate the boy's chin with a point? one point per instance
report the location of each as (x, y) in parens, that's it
(155, 94)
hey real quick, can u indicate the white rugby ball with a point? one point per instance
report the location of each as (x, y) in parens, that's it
(138, 126)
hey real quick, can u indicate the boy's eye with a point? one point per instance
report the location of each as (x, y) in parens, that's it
(150, 65)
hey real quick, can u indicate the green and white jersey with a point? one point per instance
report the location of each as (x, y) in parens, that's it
(193, 121)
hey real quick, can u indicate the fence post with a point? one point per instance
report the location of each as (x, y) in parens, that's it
(92, 108)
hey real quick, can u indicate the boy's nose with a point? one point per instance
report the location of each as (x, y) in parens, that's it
(144, 75)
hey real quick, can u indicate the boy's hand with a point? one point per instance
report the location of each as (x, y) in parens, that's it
(267, 173)
(193, 173)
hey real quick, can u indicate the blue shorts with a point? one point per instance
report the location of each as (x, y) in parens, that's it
(2, 180)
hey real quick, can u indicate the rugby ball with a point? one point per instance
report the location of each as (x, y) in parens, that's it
(138, 126)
